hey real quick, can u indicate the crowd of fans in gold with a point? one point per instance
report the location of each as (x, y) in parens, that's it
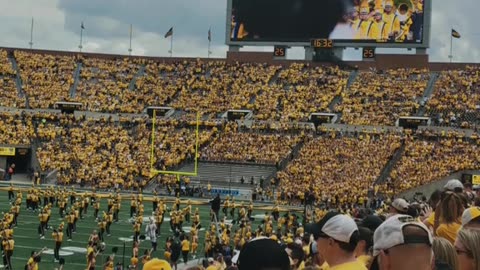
(107, 152)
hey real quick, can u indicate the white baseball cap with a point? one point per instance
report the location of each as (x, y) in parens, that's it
(400, 204)
(453, 184)
(391, 233)
(335, 225)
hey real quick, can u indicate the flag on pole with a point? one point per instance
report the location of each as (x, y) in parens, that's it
(82, 26)
(169, 33)
(455, 34)
(209, 34)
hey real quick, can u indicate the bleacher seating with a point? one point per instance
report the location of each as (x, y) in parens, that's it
(456, 100)
(8, 91)
(342, 169)
(338, 166)
(46, 78)
(379, 98)
(104, 83)
(234, 146)
(425, 161)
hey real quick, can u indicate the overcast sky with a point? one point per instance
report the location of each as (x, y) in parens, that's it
(107, 23)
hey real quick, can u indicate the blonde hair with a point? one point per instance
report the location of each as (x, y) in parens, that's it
(445, 252)
(470, 238)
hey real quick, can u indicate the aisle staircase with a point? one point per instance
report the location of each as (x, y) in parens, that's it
(18, 80)
(428, 93)
(397, 155)
(139, 74)
(76, 80)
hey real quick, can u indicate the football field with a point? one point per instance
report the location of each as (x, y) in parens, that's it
(27, 238)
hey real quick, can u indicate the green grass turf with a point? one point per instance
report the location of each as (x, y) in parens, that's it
(27, 239)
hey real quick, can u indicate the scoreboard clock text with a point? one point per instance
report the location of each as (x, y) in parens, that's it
(279, 51)
(368, 53)
(322, 43)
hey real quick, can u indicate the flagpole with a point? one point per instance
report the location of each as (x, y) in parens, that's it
(209, 42)
(171, 45)
(31, 35)
(451, 47)
(130, 48)
(209, 52)
(81, 37)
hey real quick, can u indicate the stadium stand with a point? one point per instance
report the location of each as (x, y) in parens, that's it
(340, 170)
(455, 101)
(16, 129)
(236, 146)
(281, 97)
(103, 84)
(379, 98)
(8, 90)
(425, 161)
(46, 78)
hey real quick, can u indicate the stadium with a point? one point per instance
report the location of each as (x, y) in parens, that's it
(114, 161)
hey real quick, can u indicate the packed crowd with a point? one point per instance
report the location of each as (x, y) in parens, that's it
(8, 89)
(103, 83)
(426, 161)
(16, 129)
(456, 97)
(340, 171)
(301, 90)
(250, 146)
(81, 149)
(441, 232)
(379, 98)
(46, 78)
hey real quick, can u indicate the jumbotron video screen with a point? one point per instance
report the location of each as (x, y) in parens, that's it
(355, 21)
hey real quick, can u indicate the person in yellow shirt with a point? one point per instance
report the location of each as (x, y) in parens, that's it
(448, 216)
(8, 244)
(365, 28)
(337, 237)
(391, 19)
(91, 256)
(381, 31)
(185, 248)
(57, 236)
(32, 263)
(43, 216)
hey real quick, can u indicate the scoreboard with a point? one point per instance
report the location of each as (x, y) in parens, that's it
(318, 23)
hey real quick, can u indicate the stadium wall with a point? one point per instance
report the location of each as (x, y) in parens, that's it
(382, 61)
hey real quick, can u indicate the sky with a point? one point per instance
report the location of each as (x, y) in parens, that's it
(107, 26)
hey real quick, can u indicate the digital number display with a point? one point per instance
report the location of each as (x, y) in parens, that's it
(368, 53)
(279, 51)
(322, 43)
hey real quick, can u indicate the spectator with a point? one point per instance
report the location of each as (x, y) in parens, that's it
(337, 237)
(402, 243)
(399, 206)
(445, 255)
(448, 216)
(467, 246)
(10, 172)
(365, 243)
(215, 205)
(253, 256)
(471, 218)
(156, 264)
(454, 185)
